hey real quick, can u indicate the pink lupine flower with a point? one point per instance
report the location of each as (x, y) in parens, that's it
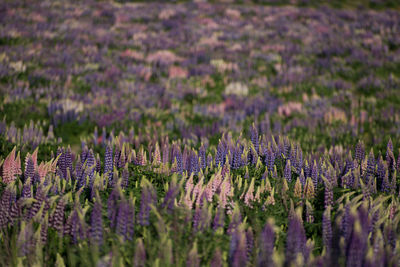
(11, 167)
(177, 72)
(249, 196)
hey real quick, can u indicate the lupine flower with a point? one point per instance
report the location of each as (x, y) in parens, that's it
(11, 167)
(40, 197)
(148, 198)
(125, 177)
(202, 156)
(288, 171)
(108, 163)
(298, 190)
(27, 189)
(96, 223)
(202, 218)
(314, 174)
(56, 220)
(309, 189)
(270, 199)
(327, 228)
(370, 172)
(328, 193)
(356, 247)
(249, 242)
(249, 196)
(172, 193)
(43, 229)
(296, 238)
(254, 137)
(270, 159)
(309, 212)
(302, 178)
(360, 151)
(7, 198)
(125, 219)
(29, 169)
(219, 219)
(267, 241)
(157, 155)
(238, 248)
(112, 206)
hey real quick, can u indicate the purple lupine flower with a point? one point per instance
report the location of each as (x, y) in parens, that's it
(271, 159)
(108, 163)
(140, 254)
(253, 155)
(238, 248)
(172, 193)
(98, 163)
(347, 223)
(220, 155)
(179, 161)
(68, 161)
(254, 138)
(202, 155)
(299, 160)
(6, 201)
(267, 241)
(194, 163)
(27, 189)
(288, 171)
(30, 169)
(302, 178)
(148, 198)
(398, 162)
(356, 247)
(370, 172)
(380, 171)
(209, 160)
(295, 238)
(125, 220)
(125, 177)
(40, 197)
(16, 210)
(237, 157)
(250, 242)
(236, 220)
(327, 229)
(359, 152)
(96, 223)
(314, 174)
(43, 230)
(90, 165)
(75, 227)
(219, 219)
(201, 218)
(56, 220)
(112, 206)
(165, 153)
(328, 196)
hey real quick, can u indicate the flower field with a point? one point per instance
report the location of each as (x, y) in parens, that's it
(194, 133)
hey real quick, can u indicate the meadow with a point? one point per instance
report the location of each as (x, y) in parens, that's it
(194, 133)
